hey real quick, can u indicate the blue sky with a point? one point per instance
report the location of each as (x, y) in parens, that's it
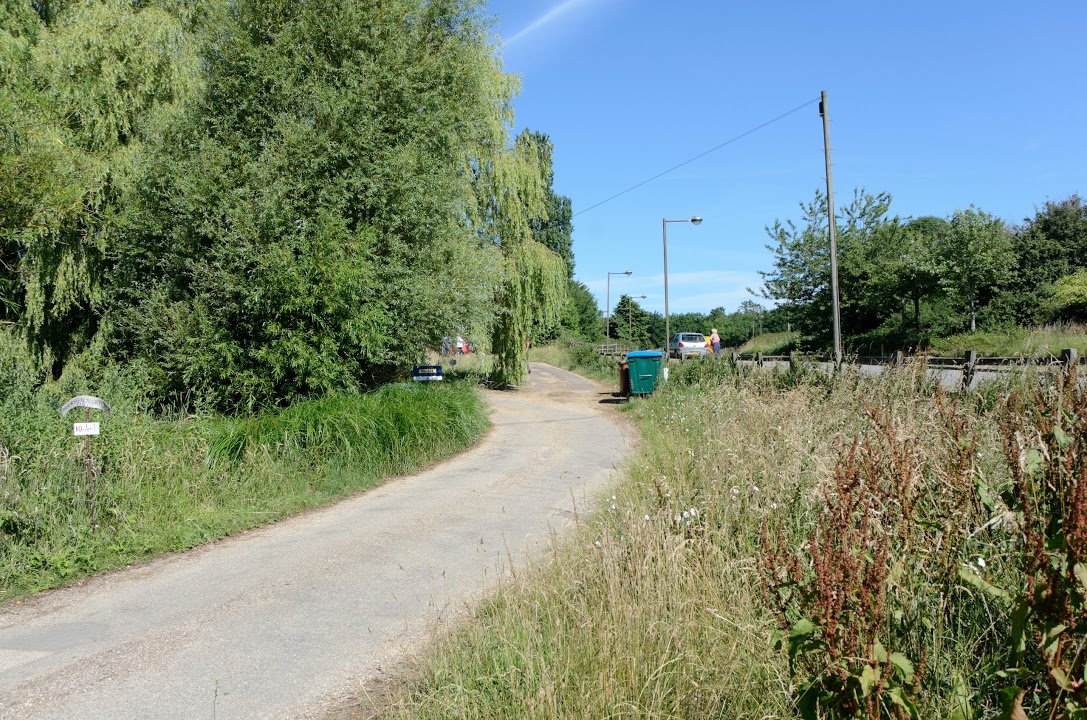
(941, 104)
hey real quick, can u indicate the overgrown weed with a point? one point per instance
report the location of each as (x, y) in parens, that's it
(860, 499)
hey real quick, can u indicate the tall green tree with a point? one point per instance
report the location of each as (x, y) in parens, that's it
(534, 279)
(83, 83)
(581, 315)
(975, 255)
(554, 228)
(800, 278)
(631, 323)
(318, 214)
(903, 265)
(1070, 297)
(1049, 246)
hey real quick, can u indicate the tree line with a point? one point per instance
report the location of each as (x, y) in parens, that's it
(904, 281)
(253, 201)
(633, 325)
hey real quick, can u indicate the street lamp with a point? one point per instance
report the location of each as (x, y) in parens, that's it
(630, 324)
(696, 220)
(607, 324)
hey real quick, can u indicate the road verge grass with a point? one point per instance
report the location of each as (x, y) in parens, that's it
(1043, 342)
(164, 485)
(674, 599)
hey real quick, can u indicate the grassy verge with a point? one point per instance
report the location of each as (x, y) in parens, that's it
(167, 485)
(770, 343)
(1039, 342)
(865, 524)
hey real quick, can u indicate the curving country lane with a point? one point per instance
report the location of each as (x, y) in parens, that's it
(274, 622)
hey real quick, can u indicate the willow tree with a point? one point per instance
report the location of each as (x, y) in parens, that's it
(532, 288)
(83, 82)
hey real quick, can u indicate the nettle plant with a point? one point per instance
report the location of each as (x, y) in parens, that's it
(1045, 437)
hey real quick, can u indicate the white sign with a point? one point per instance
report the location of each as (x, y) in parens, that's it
(85, 429)
(86, 401)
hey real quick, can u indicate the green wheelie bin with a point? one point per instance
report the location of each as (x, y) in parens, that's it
(645, 367)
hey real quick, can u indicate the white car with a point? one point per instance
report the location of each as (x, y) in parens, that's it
(685, 345)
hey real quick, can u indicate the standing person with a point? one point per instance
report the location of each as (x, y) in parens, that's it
(715, 340)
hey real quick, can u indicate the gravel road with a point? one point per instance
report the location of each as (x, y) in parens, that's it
(275, 622)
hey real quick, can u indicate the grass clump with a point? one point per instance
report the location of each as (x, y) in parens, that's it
(167, 484)
(798, 543)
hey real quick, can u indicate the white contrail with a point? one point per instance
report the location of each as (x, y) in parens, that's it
(543, 20)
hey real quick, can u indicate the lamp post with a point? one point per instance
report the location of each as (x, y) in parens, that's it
(696, 220)
(607, 323)
(630, 324)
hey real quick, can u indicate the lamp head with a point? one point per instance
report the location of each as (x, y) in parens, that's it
(628, 272)
(696, 220)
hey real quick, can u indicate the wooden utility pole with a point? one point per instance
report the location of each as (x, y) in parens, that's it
(825, 114)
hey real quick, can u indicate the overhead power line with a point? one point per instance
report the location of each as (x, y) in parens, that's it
(742, 135)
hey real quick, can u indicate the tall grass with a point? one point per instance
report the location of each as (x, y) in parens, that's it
(658, 606)
(770, 343)
(168, 484)
(1039, 342)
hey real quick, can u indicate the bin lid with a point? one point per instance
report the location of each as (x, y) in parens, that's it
(655, 354)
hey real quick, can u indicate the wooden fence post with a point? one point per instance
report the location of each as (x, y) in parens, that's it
(734, 359)
(1069, 357)
(898, 358)
(970, 361)
(758, 359)
(792, 361)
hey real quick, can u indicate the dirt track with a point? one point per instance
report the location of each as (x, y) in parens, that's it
(275, 622)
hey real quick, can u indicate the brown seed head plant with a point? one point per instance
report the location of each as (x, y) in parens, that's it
(832, 605)
(1045, 437)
